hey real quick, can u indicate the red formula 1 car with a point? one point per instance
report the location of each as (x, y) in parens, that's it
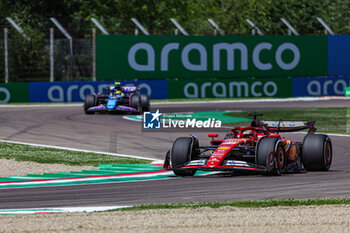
(258, 148)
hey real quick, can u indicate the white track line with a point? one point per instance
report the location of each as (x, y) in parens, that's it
(132, 119)
(337, 134)
(80, 150)
(61, 210)
(38, 105)
(257, 100)
(329, 134)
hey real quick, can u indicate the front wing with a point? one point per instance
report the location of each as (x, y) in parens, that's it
(119, 108)
(227, 165)
(236, 166)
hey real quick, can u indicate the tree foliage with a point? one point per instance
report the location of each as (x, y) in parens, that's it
(30, 59)
(231, 15)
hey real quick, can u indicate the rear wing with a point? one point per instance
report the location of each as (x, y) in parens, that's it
(289, 126)
(129, 89)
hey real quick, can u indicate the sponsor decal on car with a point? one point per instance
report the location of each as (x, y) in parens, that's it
(197, 163)
(111, 103)
(129, 89)
(231, 141)
(219, 153)
(235, 163)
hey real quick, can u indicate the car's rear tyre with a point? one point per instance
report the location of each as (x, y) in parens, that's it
(90, 101)
(145, 103)
(136, 102)
(181, 153)
(271, 154)
(317, 152)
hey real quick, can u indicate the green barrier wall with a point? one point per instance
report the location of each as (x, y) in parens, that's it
(249, 87)
(14, 92)
(347, 91)
(130, 57)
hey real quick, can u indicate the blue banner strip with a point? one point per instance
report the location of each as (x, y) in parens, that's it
(327, 86)
(76, 91)
(339, 55)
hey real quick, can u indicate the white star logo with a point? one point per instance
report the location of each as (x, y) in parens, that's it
(156, 115)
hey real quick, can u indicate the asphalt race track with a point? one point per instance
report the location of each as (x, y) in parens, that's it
(69, 127)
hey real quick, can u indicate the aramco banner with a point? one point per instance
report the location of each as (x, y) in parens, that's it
(129, 57)
(14, 93)
(238, 88)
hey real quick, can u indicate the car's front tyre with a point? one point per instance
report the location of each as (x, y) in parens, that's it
(271, 154)
(181, 153)
(90, 101)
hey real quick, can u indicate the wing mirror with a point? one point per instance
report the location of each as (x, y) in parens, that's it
(213, 135)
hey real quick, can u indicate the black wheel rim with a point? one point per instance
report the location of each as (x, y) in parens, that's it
(280, 157)
(328, 153)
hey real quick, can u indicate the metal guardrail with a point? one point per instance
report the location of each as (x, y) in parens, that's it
(327, 30)
(291, 29)
(255, 28)
(139, 26)
(179, 27)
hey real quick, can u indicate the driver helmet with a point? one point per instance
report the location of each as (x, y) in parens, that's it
(111, 89)
(118, 89)
(249, 132)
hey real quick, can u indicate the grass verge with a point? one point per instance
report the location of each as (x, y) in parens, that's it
(50, 155)
(328, 120)
(242, 204)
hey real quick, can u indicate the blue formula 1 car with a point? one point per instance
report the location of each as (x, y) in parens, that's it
(122, 99)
